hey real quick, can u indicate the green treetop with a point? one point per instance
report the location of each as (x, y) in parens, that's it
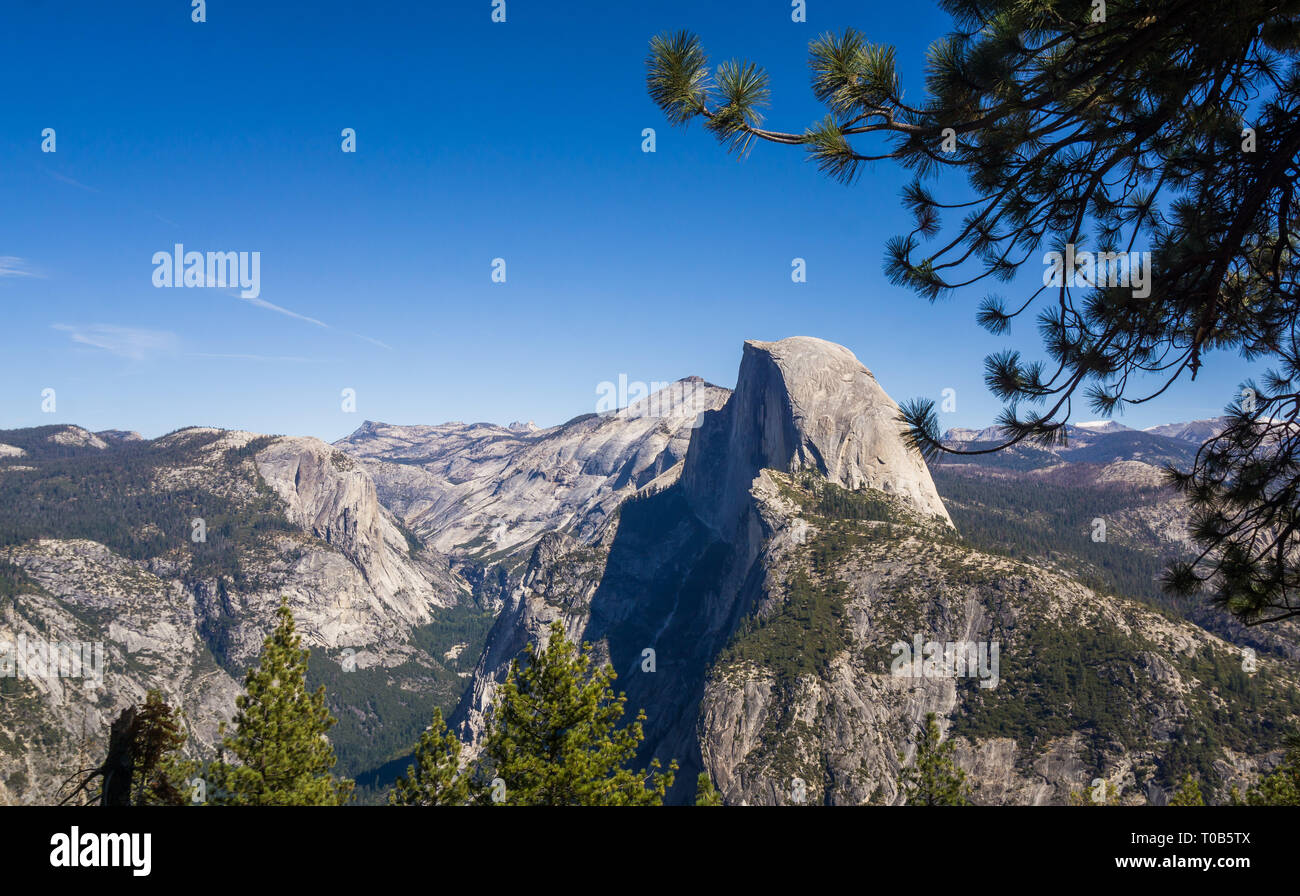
(282, 755)
(435, 778)
(554, 739)
(934, 779)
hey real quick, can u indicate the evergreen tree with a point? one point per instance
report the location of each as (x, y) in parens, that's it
(553, 737)
(141, 767)
(934, 779)
(435, 779)
(158, 740)
(1109, 796)
(705, 793)
(282, 757)
(1099, 131)
(1281, 787)
(1188, 793)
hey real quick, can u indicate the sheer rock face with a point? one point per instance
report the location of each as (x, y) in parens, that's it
(803, 404)
(555, 585)
(774, 626)
(333, 499)
(136, 631)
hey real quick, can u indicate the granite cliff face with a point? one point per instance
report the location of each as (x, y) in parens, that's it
(80, 592)
(329, 496)
(749, 562)
(1086, 685)
(682, 566)
(803, 404)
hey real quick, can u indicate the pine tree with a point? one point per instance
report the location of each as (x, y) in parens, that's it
(1188, 793)
(158, 740)
(141, 767)
(1108, 795)
(282, 755)
(1281, 787)
(553, 737)
(435, 779)
(934, 779)
(705, 793)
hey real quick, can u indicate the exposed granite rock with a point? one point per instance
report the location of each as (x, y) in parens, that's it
(489, 491)
(803, 404)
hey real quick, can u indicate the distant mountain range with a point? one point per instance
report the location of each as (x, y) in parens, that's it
(1197, 431)
(1101, 442)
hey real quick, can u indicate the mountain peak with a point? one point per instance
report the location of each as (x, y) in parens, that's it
(1102, 426)
(804, 404)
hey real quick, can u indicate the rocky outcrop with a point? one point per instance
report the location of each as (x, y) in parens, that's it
(333, 499)
(1086, 685)
(801, 543)
(76, 437)
(140, 632)
(556, 585)
(803, 404)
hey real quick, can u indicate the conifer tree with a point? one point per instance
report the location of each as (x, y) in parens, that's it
(1281, 787)
(934, 779)
(553, 737)
(1188, 793)
(282, 757)
(435, 779)
(141, 766)
(159, 737)
(705, 793)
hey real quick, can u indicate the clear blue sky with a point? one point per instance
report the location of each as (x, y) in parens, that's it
(475, 141)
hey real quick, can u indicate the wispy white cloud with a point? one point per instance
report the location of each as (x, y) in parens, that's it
(263, 303)
(236, 357)
(13, 266)
(372, 341)
(269, 306)
(125, 342)
(63, 178)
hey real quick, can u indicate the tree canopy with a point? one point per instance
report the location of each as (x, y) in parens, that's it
(282, 757)
(934, 779)
(435, 778)
(554, 737)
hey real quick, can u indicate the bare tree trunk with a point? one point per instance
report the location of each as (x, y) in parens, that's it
(119, 766)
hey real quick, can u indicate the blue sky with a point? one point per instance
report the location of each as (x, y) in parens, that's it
(475, 141)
